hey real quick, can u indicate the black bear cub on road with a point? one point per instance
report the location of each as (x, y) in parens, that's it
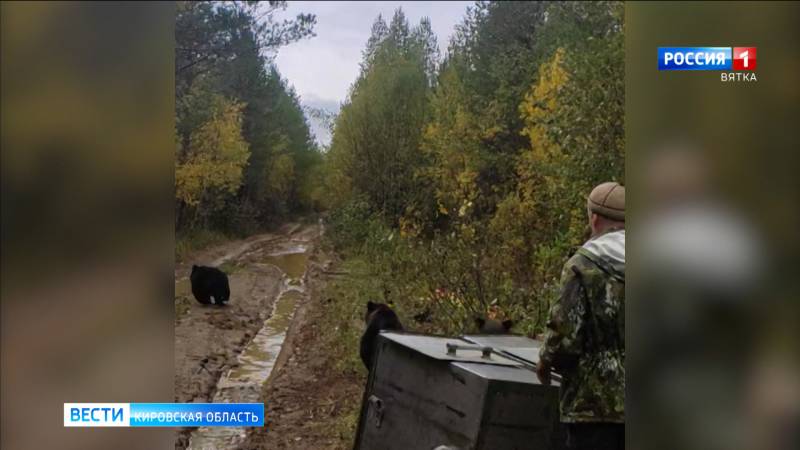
(492, 326)
(379, 317)
(208, 283)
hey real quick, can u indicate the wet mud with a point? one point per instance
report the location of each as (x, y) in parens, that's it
(227, 354)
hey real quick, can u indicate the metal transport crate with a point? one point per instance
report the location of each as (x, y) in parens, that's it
(470, 393)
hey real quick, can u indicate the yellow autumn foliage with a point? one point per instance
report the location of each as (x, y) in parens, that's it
(541, 102)
(216, 156)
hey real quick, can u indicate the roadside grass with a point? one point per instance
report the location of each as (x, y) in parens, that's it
(344, 301)
(182, 306)
(346, 424)
(347, 297)
(191, 241)
(230, 267)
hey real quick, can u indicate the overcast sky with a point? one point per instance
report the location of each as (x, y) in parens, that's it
(322, 68)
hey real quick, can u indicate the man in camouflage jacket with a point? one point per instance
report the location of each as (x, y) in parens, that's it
(585, 339)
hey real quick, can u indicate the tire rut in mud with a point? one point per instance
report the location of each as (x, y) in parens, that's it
(217, 348)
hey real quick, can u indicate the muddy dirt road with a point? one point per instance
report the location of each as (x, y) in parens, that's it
(263, 346)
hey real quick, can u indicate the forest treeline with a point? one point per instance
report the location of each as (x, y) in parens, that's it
(245, 156)
(459, 180)
(454, 183)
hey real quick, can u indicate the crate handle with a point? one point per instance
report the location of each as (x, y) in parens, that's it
(486, 352)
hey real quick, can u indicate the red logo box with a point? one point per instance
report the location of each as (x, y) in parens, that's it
(744, 58)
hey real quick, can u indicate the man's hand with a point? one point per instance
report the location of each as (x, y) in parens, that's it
(543, 372)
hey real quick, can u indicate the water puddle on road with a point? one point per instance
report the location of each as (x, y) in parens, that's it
(292, 260)
(244, 383)
(258, 358)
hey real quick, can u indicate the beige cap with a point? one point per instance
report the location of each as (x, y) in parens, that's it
(608, 199)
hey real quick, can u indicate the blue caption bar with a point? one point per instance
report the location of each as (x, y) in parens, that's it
(695, 58)
(197, 414)
(163, 414)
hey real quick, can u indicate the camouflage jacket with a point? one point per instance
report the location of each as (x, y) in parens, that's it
(585, 339)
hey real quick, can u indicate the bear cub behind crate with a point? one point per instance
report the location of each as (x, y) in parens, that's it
(210, 285)
(379, 316)
(492, 326)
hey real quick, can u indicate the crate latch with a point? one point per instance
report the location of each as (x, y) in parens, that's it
(376, 408)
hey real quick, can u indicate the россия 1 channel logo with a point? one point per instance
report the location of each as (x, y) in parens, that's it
(739, 62)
